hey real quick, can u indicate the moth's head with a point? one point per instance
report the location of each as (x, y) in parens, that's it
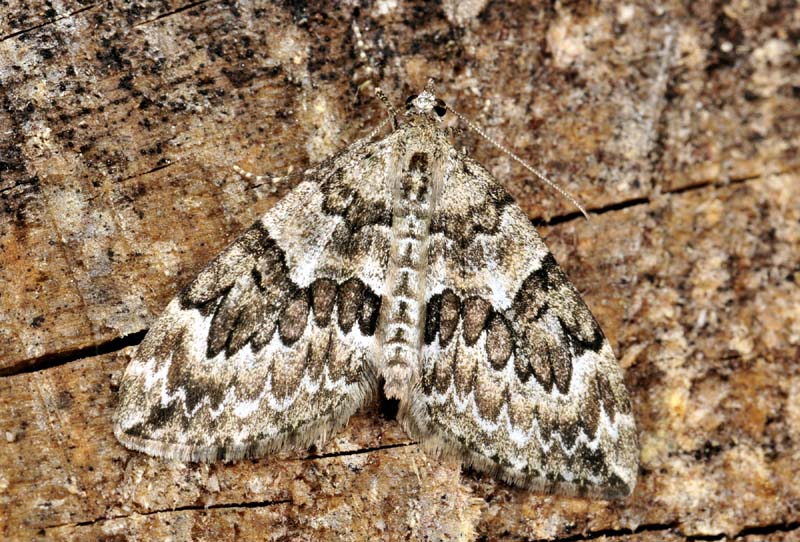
(425, 103)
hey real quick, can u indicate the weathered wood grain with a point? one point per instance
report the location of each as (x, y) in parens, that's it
(119, 126)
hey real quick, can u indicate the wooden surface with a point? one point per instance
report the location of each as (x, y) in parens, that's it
(119, 126)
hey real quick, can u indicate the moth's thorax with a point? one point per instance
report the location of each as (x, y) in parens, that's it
(416, 184)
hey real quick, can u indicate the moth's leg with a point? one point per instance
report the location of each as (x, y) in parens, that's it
(260, 180)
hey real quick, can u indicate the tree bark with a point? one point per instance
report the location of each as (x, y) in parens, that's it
(678, 127)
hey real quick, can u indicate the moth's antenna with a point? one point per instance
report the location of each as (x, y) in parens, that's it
(361, 48)
(541, 176)
(372, 79)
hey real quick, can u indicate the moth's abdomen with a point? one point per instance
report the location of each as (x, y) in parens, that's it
(404, 311)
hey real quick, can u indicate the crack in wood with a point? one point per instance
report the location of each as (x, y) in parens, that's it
(148, 172)
(635, 202)
(606, 533)
(592, 535)
(225, 506)
(359, 451)
(52, 21)
(56, 359)
(674, 528)
(173, 12)
(187, 508)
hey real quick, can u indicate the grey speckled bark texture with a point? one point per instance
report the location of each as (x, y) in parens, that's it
(119, 127)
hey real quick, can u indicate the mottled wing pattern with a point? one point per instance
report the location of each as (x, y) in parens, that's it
(273, 344)
(517, 378)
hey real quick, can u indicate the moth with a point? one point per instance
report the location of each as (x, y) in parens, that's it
(397, 263)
